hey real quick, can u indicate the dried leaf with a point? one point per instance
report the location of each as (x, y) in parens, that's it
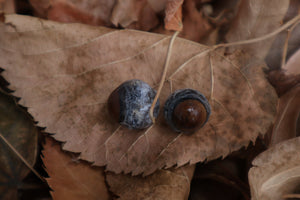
(282, 81)
(276, 172)
(289, 76)
(7, 6)
(93, 12)
(274, 57)
(70, 179)
(287, 85)
(18, 128)
(157, 5)
(256, 18)
(173, 18)
(65, 73)
(40, 7)
(195, 25)
(288, 111)
(137, 14)
(164, 184)
(292, 66)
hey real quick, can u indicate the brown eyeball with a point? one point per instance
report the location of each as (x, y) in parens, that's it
(186, 110)
(130, 103)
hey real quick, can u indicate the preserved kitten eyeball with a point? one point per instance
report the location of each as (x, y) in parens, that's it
(186, 110)
(130, 104)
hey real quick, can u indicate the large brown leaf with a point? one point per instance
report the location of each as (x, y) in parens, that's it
(65, 73)
(70, 179)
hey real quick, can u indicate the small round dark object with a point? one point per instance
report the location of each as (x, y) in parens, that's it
(186, 110)
(130, 104)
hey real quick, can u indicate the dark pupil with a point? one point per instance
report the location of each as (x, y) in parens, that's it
(189, 115)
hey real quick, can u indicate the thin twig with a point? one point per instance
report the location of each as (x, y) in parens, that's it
(282, 28)
(285, 47)
(163, 77)
(212, 78)
(21, 157)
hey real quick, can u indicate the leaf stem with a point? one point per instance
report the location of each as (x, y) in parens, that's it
(21, 157)
(163, 77)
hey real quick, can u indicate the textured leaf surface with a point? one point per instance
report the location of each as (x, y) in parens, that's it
(163, 184)
(19, 130)
(65, 73)
(276, 172)
(70, 179)
(287, 116)
(256, 18)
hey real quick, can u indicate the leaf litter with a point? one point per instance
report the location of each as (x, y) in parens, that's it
(66, 81)
(70, 179)
(171, 85)
(18, 143)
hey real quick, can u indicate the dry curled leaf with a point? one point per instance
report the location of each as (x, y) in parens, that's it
(173, 18)
(65, 73)
(164, 184)
(195, 25)
(275, 55)
(94, 12)
(287, 85)
(288, 111)
(257, 18)
(137, 14)
(18, 129)
(70, 179)
(276, 172)
(157, 5)
(292, 66)
(282, 81)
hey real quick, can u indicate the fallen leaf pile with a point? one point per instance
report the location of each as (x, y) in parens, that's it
(62, 73)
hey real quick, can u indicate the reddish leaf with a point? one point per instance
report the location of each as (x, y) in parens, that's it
(173, 18)
(137, 14)
(195, 25)
(70, 179)
(94, 12)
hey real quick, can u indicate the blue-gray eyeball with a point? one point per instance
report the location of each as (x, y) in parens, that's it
(186, 110)
(130, 104)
